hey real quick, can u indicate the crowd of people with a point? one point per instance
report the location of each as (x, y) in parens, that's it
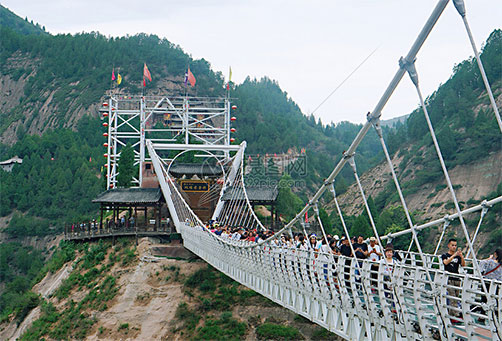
(383, 261)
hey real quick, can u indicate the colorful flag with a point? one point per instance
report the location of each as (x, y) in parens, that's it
(113, 74)
(119, 79)
(229, 77)
(190, 77)
(146, 73)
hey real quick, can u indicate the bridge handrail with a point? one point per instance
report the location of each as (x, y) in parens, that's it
(311, 274)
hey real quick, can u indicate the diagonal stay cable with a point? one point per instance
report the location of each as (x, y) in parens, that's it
(378, 128)
(459, 5)
(412, 72)
(346, 79)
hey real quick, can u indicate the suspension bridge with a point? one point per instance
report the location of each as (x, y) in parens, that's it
(350, 297)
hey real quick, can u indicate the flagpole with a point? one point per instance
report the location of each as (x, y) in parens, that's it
(185, 105)
(111, 80)
(186, 80)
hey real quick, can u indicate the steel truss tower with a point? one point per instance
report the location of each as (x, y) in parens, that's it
(163, 119)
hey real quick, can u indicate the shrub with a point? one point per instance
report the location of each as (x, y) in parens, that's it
(129, 255)
(225, 328)
(123, 326)
(28, 301)
(325, 335)
(190, 318)
(271, 331)
(199, 277)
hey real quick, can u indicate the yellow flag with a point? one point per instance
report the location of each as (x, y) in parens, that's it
(119, 79)
(230, 74)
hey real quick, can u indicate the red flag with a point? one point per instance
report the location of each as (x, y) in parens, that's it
(307, 216)
(144, 82)
(191, 78)
(146, 74)
(113, 74)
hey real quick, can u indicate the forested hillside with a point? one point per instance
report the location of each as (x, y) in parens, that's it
(464, 122)
(469, 137)
(9, 19)
(51, 87)
(54, 81)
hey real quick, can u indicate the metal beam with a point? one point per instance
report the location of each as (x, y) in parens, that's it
(376, 113)
(210, 147)
(448, 217)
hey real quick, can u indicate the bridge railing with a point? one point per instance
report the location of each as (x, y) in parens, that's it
(343, 294)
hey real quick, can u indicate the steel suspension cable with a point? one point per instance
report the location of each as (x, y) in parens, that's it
(482, 215)
(412, 72)
(352, 163)
(233, 200)
(414, 238)
(316, 212)
(417, 45)
(459, 5)
(247, 198)
(445, 226)
(347, 235)
(338, 209)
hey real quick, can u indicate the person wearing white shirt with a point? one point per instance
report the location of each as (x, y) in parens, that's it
(374, 250)
(387, 267)
(374, 255)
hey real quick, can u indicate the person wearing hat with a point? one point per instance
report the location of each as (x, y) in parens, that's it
(336, 238)
(374, 255)
(314, 243)
(374, 250)
(345, 247)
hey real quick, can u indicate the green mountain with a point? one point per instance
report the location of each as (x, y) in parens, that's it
(49, 117)
(54, 81)
(470, 142)
(11, 20)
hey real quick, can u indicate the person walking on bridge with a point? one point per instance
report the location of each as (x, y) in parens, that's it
(452, 260)
(491, 268)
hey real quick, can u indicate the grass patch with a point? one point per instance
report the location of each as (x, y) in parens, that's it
(73, 321)
(325, 335)
(224, 328)
(123, 326)
(189, 317)
(271, 331)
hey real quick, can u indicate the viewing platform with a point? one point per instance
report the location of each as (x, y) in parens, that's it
(90, 232)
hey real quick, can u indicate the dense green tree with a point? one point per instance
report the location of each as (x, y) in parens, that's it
(361, 227)
(126, 166)
(288, 203)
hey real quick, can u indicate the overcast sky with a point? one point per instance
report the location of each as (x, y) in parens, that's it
(309, 47)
